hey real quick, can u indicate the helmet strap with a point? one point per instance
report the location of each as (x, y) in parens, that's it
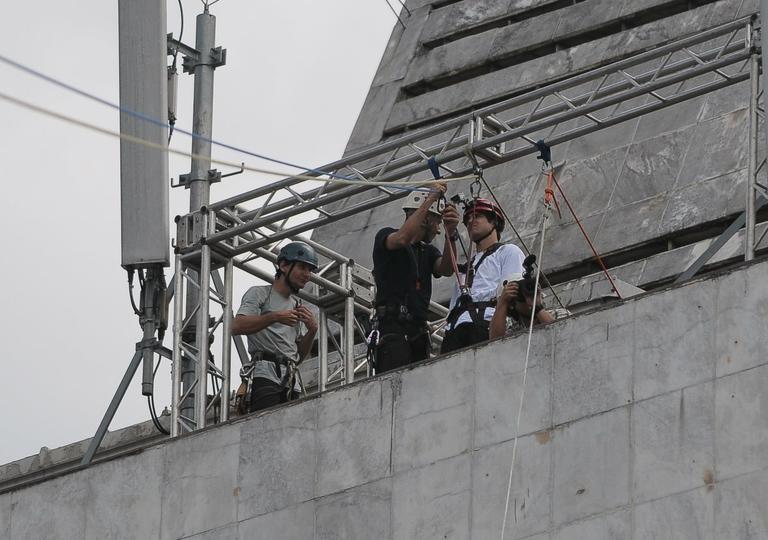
(486, 235)
(288, 279)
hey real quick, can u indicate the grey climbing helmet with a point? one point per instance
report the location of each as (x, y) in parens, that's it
(298, 252)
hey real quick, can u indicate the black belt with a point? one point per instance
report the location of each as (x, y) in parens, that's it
(476, 310)
(269, 357)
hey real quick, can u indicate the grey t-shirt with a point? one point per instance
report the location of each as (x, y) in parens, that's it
(277, 339)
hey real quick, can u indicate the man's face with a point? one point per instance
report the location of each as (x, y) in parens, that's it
(431, 227)
(300, 274)
(478, 226)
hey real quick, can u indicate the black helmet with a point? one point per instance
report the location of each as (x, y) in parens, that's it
(298, 252)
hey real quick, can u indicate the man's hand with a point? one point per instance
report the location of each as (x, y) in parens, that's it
(450, 219)
(289, 317)
(305, 315)
(440, 188)
(508, 294)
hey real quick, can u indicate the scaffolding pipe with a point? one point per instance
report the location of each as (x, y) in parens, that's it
(348, 346)
(178, 307)
(749, 233)
(226, 341)
(201, 373)
(322, 350)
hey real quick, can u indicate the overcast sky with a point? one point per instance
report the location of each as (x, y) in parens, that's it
(296, 76)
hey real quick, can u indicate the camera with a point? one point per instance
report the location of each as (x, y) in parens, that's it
(526, 282)
(460, 200)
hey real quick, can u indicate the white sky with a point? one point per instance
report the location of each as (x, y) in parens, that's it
(296, 76)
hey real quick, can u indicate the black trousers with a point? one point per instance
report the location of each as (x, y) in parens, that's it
(266, 393)
(464, 335)
(400, 344)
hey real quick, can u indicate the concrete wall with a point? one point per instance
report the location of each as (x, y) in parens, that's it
(656, 177)
(647, 420)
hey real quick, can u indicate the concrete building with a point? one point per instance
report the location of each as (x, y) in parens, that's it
(642, 419)
(645, 420)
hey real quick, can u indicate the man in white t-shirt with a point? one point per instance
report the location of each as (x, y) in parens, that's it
(473, 308)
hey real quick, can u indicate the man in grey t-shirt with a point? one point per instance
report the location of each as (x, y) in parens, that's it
(270, 317)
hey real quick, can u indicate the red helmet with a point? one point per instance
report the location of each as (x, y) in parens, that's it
(490, 208)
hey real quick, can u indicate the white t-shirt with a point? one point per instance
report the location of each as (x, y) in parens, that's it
(506, 260)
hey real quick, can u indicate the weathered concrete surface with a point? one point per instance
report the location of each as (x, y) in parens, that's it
(655, 177)
(642, 421)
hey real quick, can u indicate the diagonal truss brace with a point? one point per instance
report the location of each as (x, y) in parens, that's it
(597, 99)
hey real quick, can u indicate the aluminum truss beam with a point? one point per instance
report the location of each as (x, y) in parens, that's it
(502, 132)
(591, 101)
(756, 193)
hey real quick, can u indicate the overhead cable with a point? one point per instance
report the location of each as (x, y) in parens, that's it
(396, 14)
(165, 148)
(157, 122)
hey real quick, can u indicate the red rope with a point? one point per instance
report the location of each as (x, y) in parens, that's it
(454, 264)
(586, 236)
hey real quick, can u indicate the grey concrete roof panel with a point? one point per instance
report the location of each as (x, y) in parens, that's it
(559, 64)
(599, 142)
(373, 116)
(719, 146)
(458, 17)
(726, 100)
(673, 118)
(456, 56)
(587, 15)
(525, 34)
(705, 201)
(399, 52)
(591, 182)
(748, 7)
(651, 167)
(630, 224)
(552, 26)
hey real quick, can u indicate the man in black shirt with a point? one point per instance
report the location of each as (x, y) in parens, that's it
(404, 262)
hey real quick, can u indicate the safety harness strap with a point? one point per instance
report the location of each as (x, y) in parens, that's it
(465, 303)
(472, 269)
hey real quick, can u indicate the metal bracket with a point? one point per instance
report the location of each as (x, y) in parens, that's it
(213, 177)
(191, 55)
(216, 57)
(241, 171)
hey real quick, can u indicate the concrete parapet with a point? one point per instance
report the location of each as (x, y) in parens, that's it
(644, 420)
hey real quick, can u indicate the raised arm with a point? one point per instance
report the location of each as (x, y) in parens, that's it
(410, 232)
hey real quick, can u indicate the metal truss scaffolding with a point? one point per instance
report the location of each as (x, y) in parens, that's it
(342, 290)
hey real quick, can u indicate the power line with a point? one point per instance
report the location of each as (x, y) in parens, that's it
(165, 148)
(405, 7)
(157, 122)
(396, 14)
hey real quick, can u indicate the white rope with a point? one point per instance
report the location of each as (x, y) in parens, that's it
(525, 371)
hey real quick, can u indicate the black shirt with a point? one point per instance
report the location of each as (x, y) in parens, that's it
(404, 276)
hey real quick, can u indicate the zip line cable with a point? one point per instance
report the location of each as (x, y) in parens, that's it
(396, 14)
(164, 148)
(408, 11)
